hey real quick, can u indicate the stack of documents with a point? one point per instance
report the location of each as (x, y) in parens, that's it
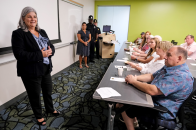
(107, 92)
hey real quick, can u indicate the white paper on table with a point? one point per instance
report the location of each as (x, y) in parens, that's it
(117, 79)
(121, 60)
(118, 66)
(125, 58)
(193, 64)
(107, 92)
(128, 52)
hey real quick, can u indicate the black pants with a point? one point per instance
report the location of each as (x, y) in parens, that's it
(92, 50)
(137, 111)
(33, 86)
(97, 48)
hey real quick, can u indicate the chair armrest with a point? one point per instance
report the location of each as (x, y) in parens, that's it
(160, 109)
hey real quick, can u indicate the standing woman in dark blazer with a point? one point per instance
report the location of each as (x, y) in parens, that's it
(33, 51)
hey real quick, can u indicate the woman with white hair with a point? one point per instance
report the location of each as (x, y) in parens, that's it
(33, 51)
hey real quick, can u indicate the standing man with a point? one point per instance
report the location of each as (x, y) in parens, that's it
(92, 28)
(98, 31)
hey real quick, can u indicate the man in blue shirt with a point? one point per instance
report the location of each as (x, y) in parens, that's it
(169, 87)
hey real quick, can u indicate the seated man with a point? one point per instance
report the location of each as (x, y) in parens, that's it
(169, 87)
(139, 40)
(190, 46)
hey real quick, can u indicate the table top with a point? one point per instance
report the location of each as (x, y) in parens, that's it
(129, 94)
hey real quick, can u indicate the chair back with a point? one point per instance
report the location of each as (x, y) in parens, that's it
(181, 111)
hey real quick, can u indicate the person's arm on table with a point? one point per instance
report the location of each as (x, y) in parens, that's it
(147, 88)
(145, 60)
(138, 50)
(136, 66)
(145, 78)
(142, 55)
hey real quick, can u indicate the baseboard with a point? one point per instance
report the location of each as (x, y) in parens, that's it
(12, 101)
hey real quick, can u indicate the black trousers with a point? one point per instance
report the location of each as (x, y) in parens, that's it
(97, 48)
(92, 49)
(137, 111)
(33, 86)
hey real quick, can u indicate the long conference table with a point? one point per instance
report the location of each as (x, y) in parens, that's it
(129, 94)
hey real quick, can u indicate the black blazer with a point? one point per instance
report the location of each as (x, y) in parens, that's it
(28, 54)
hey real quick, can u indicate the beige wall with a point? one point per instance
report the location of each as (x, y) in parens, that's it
(12, 86)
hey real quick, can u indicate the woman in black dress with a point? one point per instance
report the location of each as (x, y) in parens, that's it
(83, 47)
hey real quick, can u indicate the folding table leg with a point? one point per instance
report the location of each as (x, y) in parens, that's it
(109, 116)
(112, 120)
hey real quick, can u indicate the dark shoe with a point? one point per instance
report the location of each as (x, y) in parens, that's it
(54, 114)
(92, 61)
(41, 123)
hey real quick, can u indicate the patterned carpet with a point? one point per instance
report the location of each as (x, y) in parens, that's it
(72, 95)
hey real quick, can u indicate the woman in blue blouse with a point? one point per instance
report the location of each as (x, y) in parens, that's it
(33, 51)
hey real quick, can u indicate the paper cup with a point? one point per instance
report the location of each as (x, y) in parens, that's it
(130, 49)
(120, 71)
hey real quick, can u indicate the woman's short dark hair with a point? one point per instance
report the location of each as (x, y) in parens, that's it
(83, 23)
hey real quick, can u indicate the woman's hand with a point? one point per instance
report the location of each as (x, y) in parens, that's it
(49, 50)
(86, 43)
(135, 49)
(135, 53)
(46, 53)
(133, 65)
(133, 57)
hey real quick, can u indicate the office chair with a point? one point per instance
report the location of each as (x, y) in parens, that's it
(175, 43)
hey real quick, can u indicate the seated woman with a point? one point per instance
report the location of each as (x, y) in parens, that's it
(156, 63)
(151, 54)
(143, 52)
(144, 39)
